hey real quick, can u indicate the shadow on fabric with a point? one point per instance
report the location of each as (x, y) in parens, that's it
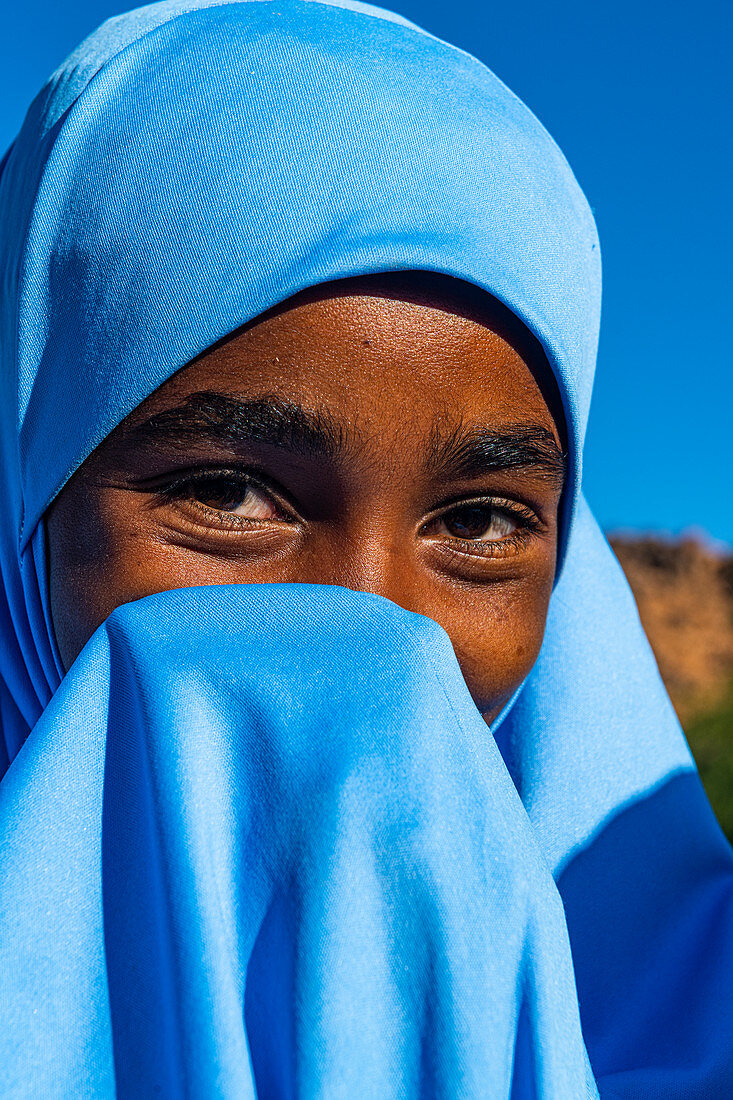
(649, 905)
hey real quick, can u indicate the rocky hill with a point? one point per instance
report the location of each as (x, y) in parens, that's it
(684, 592)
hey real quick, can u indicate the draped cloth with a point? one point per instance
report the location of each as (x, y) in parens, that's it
(258, 840)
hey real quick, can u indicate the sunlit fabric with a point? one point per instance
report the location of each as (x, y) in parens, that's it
(258, 841)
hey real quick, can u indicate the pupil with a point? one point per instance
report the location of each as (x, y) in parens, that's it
(221, 493)
(469, 523)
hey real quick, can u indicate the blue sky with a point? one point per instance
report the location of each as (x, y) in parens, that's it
(639, 94)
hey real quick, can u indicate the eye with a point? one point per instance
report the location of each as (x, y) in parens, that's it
(484, 531)
(479, 523)
(237, 496)
(226, 497)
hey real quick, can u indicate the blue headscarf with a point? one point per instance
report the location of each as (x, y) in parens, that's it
(258, 840)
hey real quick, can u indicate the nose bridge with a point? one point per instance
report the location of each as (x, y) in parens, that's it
(374, 558)
(369, 544)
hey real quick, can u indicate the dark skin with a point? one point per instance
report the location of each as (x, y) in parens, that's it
(392, 434)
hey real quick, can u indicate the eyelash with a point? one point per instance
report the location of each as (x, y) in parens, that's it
(179, 490)
(528, 523)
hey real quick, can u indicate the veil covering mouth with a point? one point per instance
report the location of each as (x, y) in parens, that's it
(242, 856)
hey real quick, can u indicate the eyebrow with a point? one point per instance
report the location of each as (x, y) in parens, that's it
(470, 452)
(220, 418)
(213, 417)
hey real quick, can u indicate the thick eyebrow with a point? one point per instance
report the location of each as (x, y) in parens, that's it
(471, 452)
(212, 417)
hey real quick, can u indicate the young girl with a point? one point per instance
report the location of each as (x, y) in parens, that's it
(337, 764)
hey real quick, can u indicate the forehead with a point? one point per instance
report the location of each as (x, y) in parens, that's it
(378, 351)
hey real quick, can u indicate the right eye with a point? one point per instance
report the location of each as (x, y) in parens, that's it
(234, 498)
(234, 495)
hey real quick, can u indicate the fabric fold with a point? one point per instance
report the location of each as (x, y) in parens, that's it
(292, 843)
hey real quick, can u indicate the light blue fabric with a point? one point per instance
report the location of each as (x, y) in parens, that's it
(259, 841)
(297, 869)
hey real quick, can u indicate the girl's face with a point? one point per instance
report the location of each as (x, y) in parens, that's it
(377, 434)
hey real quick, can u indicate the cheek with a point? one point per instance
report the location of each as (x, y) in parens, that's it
(97, 561)
(89, 581)
(76, 557)
(104, 552)
(497, 634)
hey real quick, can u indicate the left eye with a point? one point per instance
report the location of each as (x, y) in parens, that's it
(239, 498)
(479, 523)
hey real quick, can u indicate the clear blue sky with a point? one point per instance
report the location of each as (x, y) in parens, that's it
(639, 95)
